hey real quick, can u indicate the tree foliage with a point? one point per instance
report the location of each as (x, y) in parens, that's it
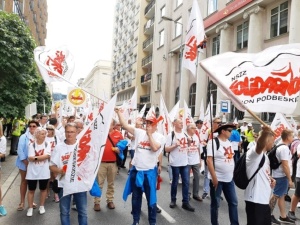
(20, 83)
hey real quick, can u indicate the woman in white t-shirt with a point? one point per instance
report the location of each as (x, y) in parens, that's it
(38, 168)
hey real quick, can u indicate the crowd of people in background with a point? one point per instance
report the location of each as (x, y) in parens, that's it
(42, 142)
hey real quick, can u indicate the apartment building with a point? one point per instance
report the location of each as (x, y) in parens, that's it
(237, 25)
(33, 13)
(132, 50)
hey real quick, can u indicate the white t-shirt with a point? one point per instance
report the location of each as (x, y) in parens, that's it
(193, 151)
(60, 158)
(2, 146)
(38, 170)
(259, 189)
(178, 156)
(51, 141)
(282, 153)
(144, 158)
(243, 128)
(251, 144)
(224, 163)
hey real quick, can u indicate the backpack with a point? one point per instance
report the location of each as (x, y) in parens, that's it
(274, 162)
(240, 174)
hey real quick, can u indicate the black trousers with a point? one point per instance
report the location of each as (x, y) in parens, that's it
(258, 214)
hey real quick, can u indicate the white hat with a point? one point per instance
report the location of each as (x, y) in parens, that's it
(249, 125)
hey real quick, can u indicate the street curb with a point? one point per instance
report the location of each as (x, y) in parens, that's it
(9, 181)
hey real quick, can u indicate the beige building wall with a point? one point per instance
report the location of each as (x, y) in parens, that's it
(33, 13)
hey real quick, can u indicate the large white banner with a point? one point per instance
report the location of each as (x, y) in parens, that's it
(278, 124)
(84, 163)
(268, 81)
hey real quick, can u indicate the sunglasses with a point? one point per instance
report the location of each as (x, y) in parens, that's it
(229, 130)
(49, 129)
(32, 126)
(218, 122)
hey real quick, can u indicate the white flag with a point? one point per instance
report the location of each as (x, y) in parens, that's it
(264, 82)
(174, 112)
(187, 116)
(278, 125)
(84, 162)
(55, 64)
(194, 36)
(206, 122)
(141, 113)
(165, 126)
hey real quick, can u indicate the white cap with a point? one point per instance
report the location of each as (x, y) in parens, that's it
(249, 125)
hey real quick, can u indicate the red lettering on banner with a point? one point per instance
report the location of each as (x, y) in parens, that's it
(254, 86)
(204, 127)
(84, 146)
(57, 63)
(192, 53)
(90, 117)
(278, 130)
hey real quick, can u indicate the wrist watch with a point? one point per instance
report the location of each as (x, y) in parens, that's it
(35, 158)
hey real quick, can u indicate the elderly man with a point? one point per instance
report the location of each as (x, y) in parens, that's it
(177, 145)
(143, 174)
(220, 165)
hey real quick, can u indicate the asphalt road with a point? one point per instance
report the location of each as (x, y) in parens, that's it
(121, 214)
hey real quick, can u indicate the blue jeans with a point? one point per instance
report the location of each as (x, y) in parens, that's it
(65, 204)
(231, 198)
(136, 199)
(206, 187)
(185, 176)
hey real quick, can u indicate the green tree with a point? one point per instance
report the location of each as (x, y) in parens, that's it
(20, 83)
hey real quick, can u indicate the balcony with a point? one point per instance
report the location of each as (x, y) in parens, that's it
(146, 77)
(145, 99)
(150, 9)
(148, 44)
(147, 61)
(149, 26)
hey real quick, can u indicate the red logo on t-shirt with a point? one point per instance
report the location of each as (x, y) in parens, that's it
(228, 153)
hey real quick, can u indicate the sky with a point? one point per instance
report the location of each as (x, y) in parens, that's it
(86, 28)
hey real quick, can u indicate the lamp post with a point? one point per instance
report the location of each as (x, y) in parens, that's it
(181, 53)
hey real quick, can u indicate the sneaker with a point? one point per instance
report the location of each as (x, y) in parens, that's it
(292, 216)
(42, 210)
(298, 205)
(274, 221)
(56, 198)
(172, 204)
(29, 212)
(2, 211)
(286, 220)
(188, 207)
(205, 195)
(180, 181)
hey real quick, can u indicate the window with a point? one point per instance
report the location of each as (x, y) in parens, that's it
(2, 4)
(177, 95)
(216, 45)
(178, 3)
(159, 78)
(163, 11)
(279, 20)
(192, 99)
(178, 27)
(161, 38)
(242, 35)
(212, 90)
(211, 6)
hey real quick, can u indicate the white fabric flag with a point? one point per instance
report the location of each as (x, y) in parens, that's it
(206, 122)
(55, 64)
(278, 124)
(84, 162)
(259, 82)
(141, 113)
(165, 126)
(194, 36)
(187, 116)
(174, 112)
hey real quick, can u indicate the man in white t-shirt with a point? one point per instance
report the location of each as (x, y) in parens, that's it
(258, 191)
(220, 165)
(58, 165)
(282, 175)
(143, 174)
(178, 160)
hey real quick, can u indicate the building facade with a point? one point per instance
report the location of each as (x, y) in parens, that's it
(33, 13)
(151, 57)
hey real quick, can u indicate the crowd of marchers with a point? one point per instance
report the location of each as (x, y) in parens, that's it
(43, 146)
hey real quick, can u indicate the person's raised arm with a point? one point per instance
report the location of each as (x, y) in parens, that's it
(123, 122)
